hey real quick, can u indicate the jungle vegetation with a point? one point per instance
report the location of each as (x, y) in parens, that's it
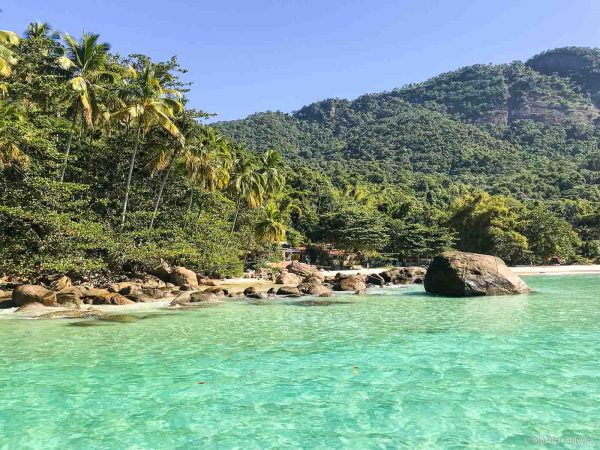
(106, 169)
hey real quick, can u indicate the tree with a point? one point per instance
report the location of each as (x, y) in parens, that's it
(8, 40)
(549, 236)
(417, 239)
(355, 228)
(489, 224)
(87, 58)
(11, 135)
(270, 226)
(247, 185)
(149, 104)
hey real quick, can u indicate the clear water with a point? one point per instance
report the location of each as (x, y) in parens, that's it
(393, 369)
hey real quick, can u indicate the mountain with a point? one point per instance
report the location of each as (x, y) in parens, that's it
(529, 129)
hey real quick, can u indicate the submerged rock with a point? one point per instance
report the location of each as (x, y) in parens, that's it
(121, 318)
(288, 290)
(459, 274)
(318, 303)
(70, 314)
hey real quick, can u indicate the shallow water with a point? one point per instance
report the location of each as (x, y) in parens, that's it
(395, 368)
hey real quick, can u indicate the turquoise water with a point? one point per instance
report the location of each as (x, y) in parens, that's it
(392, 369)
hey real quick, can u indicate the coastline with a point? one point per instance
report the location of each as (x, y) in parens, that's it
(575, 269)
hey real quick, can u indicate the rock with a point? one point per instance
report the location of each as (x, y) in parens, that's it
(351, 283)
(460, 274)
(120, 318)
(6, 303)
(32, 309)
(218, 291)
(70, 296)
(375, 279)
(304, 270)
(181, 276)
(197, 297)
(5, 294)
(186, 287)
(314, 279)
(287, 278)
(70, 314)
(62, 283)
(162, 272)
(288, 290)
(312, 288)
(258, 295)
(249, 291)
(103, 297)
(182, 299)
(403, 275)
(32, 293)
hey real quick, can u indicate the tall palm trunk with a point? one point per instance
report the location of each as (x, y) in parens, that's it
(160, 192)
(67, 151)
(191, 202)
(131, 165)
(237, 211)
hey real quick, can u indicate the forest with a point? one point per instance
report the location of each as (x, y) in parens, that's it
(105, 168)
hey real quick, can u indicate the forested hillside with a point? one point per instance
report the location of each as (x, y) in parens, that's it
(106, 170)
(527, 132)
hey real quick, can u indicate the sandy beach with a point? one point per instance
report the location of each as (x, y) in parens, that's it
(519, 270)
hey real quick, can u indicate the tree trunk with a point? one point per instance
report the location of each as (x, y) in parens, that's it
(191, 200)
(160, 192)
(237, 211)
(67, 151)
(131, 165)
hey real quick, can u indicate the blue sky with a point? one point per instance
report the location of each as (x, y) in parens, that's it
(257, 55)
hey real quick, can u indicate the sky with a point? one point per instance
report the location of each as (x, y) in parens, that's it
(245, 56)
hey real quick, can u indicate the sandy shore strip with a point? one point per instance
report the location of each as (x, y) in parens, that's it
(519, 270)
(575, 269)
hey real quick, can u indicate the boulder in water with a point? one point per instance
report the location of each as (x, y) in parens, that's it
(458, 274)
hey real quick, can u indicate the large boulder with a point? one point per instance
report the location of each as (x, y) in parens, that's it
(289, 290)
(287, 278)
(61, 283)
(351, 283)
(29, 293)
(375, 279)
(198, 297)
(304, 270)
(69, 296)
(459, 274)
(314, 289)
(181, 276)
(162, 272)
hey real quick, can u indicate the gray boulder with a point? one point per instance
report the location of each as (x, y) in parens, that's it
(459, 274)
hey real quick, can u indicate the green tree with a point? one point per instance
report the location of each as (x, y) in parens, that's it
(87, 58)
(148, 104)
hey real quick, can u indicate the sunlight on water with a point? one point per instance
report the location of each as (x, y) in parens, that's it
(391, 369)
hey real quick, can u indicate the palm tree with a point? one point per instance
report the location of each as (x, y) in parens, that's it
(39, 30)
(205, 156)
(273, 178)
(247, 185)
(149, 104)
(10, 136)
(270, 228)
(88, 59)
(208, 161)
(8, 40)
